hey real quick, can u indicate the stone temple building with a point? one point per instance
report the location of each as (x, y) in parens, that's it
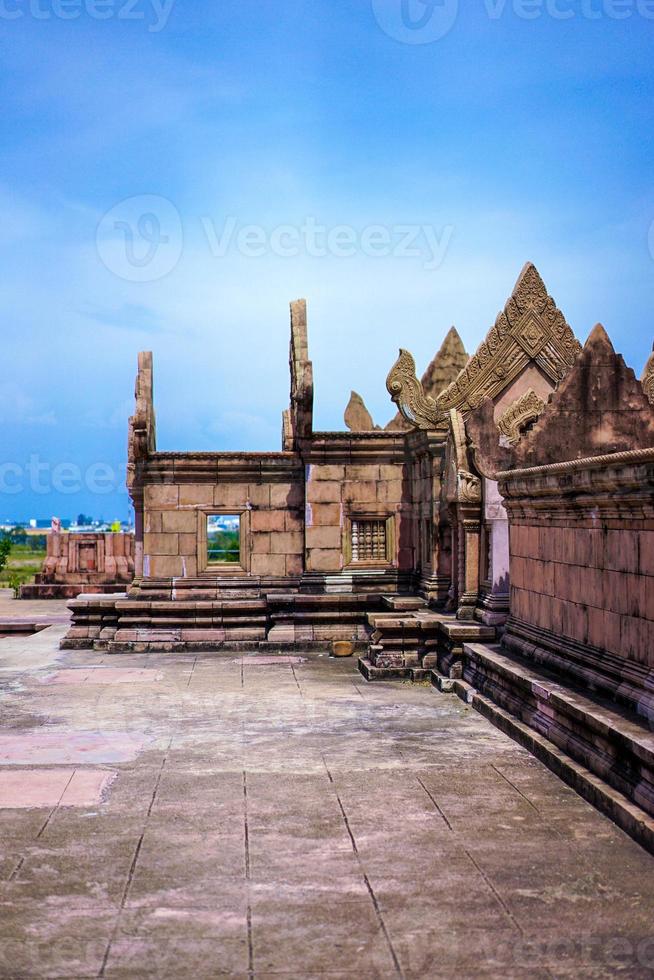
(496, 538)
(80, 562)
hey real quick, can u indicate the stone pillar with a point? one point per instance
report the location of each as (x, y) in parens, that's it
(469, 533)
(138, 536)
(495, 588)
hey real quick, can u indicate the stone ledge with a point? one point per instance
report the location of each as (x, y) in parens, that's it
(382, 673)
(607, 800)
(611, 743)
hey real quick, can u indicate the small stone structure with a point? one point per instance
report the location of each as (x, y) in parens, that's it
(83, 563)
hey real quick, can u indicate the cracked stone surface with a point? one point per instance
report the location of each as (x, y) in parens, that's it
(166, 816)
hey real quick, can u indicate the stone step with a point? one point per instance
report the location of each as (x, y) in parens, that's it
(616, 745)
(403, 603)
(598, 792)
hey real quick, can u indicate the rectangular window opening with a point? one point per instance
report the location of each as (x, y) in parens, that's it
(369, 540)
(223, 539)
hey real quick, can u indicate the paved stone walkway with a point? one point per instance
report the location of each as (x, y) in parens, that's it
(198, 817)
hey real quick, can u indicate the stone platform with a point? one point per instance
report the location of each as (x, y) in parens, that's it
(249, 618)
(166, 815)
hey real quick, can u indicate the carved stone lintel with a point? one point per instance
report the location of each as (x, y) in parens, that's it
(524, 410)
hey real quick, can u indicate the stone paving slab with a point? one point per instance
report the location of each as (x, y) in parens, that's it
(288, 820)
(36, 788)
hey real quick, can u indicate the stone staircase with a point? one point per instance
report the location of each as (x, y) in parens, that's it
(604, 750)
(408, 639)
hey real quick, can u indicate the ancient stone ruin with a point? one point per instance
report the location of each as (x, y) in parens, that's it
(497, 538)
(83, 562)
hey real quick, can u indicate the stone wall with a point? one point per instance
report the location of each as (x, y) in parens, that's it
(582, 570)
(265, 490)
(365, 476)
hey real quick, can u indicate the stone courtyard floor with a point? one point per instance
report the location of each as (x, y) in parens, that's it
(196, 817)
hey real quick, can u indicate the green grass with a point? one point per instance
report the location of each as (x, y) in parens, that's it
(23, 565)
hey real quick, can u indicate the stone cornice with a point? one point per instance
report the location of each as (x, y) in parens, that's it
(217, 467)
(620, 485)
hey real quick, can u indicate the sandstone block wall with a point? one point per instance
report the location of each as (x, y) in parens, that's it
(582, 570)
(336, 493)
(594, 585)
(272, 526)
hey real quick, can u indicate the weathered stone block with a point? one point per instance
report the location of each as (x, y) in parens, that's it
(294, 521)
(227, 495)
(268, 565)
(327, 492)
(324, 560)
(161, 496)
(287, 543)
(294, 564)
(259, 494)
(392, 491)
(196, 495)
(180, 521)
(286, 495)
(327, 472)
(267, 520)
(154, 521)
(165, 566)
(364, 492)
(188, 545)
(161, 544)
(326, 514)
(261, 544)
(324, 537)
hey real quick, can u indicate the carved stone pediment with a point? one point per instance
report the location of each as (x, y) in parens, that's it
(530, 329)
(528, 408)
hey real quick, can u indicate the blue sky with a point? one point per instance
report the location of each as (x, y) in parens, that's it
(165, 169)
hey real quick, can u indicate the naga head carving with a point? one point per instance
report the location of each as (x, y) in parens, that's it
(407, 392)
